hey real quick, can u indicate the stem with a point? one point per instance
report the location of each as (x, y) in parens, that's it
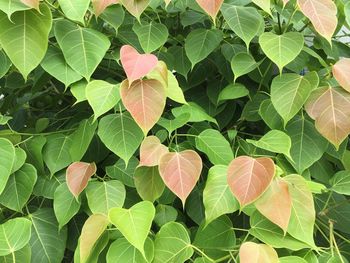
(200, 252)
(289, 20)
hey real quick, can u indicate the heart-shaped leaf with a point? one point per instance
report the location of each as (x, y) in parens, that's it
(151, 150)
(250, 252)
(249, 178)
(135, 7)
(341, 71)
(134, 223)
(32, 3)
(211, 7)
(180, 172)
(149, 184)
(100, 5)
(136, 65)
(12, 6)
(243, 63)
(7, 161)
(78, 175)
(341, 182)
(264, 5)
(74, 9)
(151, 36)
(145, 100)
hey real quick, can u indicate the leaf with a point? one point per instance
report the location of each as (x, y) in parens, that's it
(274, 141)
(233, 91)
(173, 90)
(120, 134)
(246, 22)
(211, 7)
(198, 114)
(32, 3)
(250, 252)
(55, 64)
(47, 242)
(25, 38)
(12, 6)
(14, 235)
(264, 5)
(330, 108)
(341, 182)
(65, 205)
(270, 116)
(123, 174)
(243, 63)
(22, 255)
(290, 91)
(33, 148)
(151, 36)
(322, 14)
(165, 214)
(114, 16)
(136, 65)
(134, 223)
(78, 91)
(292, 259)
(145, 100)
(135, 7)
(276, 204)
(281, 49)
(302, 220)
(5, 64)
(122, 251)
(92, 230)
(347, 12)
(200, 43)
(102, 196)
(172, 244)
(100, 5)
(215, 146)
(78, 175)
(74, 10)
(340, 70)
(102, 96)
(174, 124)
(149, 184)
(180, 172)
(20, 159)
(182, 65)
(7, 161)
(249, 178)
(79, 46)
(151, 150)
(19, 188)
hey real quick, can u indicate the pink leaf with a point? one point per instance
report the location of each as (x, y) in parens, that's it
(276, 204)
(78, 175)
(31, 3)
(248, 178)
(341, 72)
(145, 100)
(250, 252)
(151, 151)
(180, 172)
(100, 5)
(136, 65)
(135, 7)
(211, 7)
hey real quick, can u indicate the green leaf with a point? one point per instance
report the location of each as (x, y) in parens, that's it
(233, 91)
(281, 49)
(19, 188)
(21, 157)
(172, 244)
(341, 182)
(182, 65)
(149, 184)
(74, 10)
(165, 214)
(47, 242)
(292, 259)
(120, 134)
(197, 113)
(347, 12)
(290, 91)
(243, 63)
(83, 48)
(173, 90)
(134, 223)
(14, 235)
(270, 116)
(246, 22)
(65, 205)
(173, 124)
(200, 43)
(25, 39)
(274, 141)
(7, 161)
(11, 6)
(124, 174)
(5, 64)
(78, 90)
(33, 148)
(102, 96)
(151, 36)
(22, 255)
(217, 197)
(103, 196)
(114, 15)
(215, 146)
(55, 64)
(264, 5)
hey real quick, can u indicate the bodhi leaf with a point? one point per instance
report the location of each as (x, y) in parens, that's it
(7, 161)
(151, 36)
(149, 184)
(100, 5)
(264, 5)
(233, 91)
(22, 255)
(250, 252)
(134, 223)
(151, 150)
(243, 63)
(248, 178)
(21, 157)
(5, 64)
(173, 90)
(340, 72)
(123, 174)
(74, 10)
(211, 7)
(78, 175)
(341, 182)
(281, 49)
(173, 124)
(135, 7)
(12, 6)
(25, 39)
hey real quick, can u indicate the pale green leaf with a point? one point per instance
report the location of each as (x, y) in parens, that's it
(21, 157)
(197, 113)
(243, 63)
(173, 90)
(172, 124)
(11, 6)
(74, 9)
(7, 161)
(341, 182)
(233, 91)
(151, 36)
(22, 255)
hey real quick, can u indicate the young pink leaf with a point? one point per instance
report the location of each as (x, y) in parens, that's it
(250, 252)
(330, 108)
(78, 175)
(248, 178)
(136, 65)
(100, 5)
(341, 72)
(135, 7)
(322, 14)
(276, 204)
(151, 150)
(211, 7)
(180, 172)
(145, 100)
(31, 3)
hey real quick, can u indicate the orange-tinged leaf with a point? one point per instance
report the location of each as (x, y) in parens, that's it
(276, 204)
(180, 172)
(151, 150)
(31, 3)
(100, 5)
(211, 7)
(136, 65)
(250, 252)
(341, 72)
(330, 108)
(135, 7)
(322, 14)
(93, 228)
(248, 178)
(78, 175)
(145, 100)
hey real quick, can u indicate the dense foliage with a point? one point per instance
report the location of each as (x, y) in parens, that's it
(174, 131)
